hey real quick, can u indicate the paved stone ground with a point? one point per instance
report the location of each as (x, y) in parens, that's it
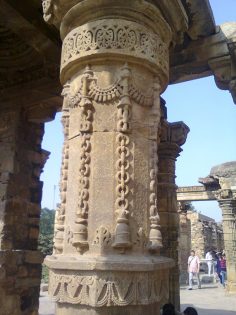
(46, 307)
(210, 300)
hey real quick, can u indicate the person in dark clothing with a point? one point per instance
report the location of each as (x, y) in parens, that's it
(190, 311)
(221, 268)
(169, 309)
(218, 267)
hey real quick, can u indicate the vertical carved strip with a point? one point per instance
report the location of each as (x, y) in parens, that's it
(124, 104)
(122, 232)
(80, 233)
(155, 237)
(60, 212)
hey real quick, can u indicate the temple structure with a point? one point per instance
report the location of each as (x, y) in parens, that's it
(116, 229)
(198, 232)
(219, 185)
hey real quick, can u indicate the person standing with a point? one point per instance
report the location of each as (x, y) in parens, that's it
(193, 269)
(209, 258)
(222, 269)
(218, 270)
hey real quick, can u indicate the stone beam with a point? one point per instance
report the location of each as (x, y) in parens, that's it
(191, 62)
(195, 193)
(26, 21)
(211, 55)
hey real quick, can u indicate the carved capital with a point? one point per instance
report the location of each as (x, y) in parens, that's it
(174, 132)
(222, 194)
(114, 39)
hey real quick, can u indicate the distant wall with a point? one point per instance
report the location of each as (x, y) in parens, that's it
(200, 233)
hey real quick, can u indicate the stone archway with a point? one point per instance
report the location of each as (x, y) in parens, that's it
(220, 185)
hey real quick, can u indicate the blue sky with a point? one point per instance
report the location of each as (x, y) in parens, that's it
(209, 112)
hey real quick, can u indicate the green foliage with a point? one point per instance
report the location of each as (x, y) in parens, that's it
(46, 232)
(190, 206)
(47, 221)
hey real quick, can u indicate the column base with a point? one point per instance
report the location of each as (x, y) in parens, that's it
(153, 309)
(109, 285)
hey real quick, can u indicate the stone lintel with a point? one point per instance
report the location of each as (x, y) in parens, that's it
(210, 55)
(195, 193)
(192, 62)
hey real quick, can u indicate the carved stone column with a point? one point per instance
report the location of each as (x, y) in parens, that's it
(21, 162)
(184, 240)
(114, 66)
(223, 177)
(227, 203)
(173, 136)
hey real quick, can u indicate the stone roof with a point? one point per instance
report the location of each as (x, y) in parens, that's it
(227, 169)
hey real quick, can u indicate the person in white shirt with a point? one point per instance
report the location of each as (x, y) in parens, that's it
(209, 257)
(193, 269)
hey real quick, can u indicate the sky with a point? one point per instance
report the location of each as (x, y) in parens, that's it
(208, 111)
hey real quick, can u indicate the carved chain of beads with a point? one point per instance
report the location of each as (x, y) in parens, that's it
(155, 238)
(60, 212)
(122, 233)
(80, 232)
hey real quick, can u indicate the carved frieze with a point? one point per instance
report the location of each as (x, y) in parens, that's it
(117, 37)
(109, 289)
(81, 92)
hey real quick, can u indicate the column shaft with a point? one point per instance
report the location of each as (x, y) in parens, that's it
(172, 137)
(108, 236)
(228, 207)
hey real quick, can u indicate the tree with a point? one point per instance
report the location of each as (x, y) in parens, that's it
(46, 232)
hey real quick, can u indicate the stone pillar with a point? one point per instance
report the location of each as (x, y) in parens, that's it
(114, 66)
(223, 177)
(21, 162)
(227, 203)
(173, 136)
(185, 241)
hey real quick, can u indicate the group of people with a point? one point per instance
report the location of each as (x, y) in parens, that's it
(212, 258)
(217, 259)
(193, 269)
(169, 309)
